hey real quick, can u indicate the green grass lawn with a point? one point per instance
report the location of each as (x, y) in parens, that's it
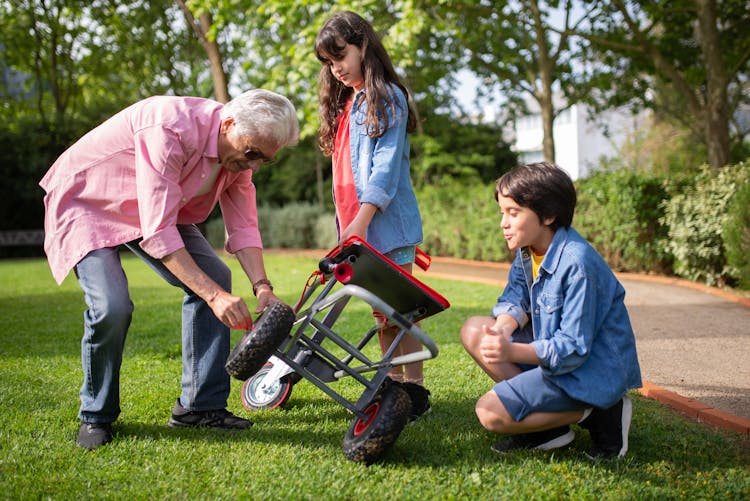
(295, 452)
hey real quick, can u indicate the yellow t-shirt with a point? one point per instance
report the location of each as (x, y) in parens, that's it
(536, 262)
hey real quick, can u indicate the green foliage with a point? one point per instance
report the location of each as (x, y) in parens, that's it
(697, 219)
(687, 69)
(737, 237)
(295, 452)
(291, 226)
(76, 58)
(215, 232)
(302, 174)
(297, 225)
(462, 221)
(455, 150)
(660, 148)
(618, 212)
(28, 148)
(326, 235)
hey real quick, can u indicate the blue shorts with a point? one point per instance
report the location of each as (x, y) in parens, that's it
(533, 391)
(402, 255)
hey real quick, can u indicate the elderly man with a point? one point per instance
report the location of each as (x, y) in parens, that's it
(144, 178)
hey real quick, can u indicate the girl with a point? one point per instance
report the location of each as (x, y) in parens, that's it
(364, 123)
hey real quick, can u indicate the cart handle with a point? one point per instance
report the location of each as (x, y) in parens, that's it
(384, 308)
(422, 259)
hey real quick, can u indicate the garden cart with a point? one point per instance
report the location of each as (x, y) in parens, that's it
(289, 344)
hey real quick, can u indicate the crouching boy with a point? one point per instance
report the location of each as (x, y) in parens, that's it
(559, 343)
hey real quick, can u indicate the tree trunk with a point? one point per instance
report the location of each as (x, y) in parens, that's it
(213, 51)
(716, 123)
(544, 94)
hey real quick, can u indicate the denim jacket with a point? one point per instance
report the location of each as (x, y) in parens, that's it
(581, 329)
(382, 176)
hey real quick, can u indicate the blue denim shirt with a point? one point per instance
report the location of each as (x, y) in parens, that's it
(382, 176)
(581, 329)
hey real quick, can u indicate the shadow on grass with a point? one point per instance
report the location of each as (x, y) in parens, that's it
(450, 438)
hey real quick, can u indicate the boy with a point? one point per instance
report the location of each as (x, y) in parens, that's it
(559, 343)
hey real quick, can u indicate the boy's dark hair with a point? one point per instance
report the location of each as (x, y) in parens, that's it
(542, 187)
(377, 69)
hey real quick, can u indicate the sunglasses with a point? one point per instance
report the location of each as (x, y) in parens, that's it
(252, 154)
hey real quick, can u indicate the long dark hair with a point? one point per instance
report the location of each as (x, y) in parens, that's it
(349, 28)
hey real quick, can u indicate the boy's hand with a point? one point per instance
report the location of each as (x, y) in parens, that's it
(495, 346)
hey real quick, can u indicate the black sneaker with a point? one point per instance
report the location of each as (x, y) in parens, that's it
(420, 400)
(93, 435)
(609, 430)
(543, 440)
(221, 418)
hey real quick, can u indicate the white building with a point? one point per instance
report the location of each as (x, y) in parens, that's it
(579, 141)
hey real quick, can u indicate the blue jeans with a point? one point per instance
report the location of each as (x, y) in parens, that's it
(205, 340)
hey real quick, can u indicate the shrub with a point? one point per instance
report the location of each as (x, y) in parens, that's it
(618, 212)
(297, 225)
(291, 226)
(462, 221)
(737, 237)
(326, 235)
(215, 232)
(697, 219)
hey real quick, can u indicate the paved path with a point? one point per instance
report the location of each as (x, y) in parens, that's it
(693, 341)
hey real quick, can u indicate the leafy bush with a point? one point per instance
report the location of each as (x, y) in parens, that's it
(296, 225)
(619, 213)
(697, 219)
(462, 221)
(326, 235)
(737, 237)
(291, 226)
(215, 232)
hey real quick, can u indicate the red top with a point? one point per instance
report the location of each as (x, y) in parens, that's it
(344, 190)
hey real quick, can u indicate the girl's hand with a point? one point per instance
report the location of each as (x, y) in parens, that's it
(358, 227)
(353, 230)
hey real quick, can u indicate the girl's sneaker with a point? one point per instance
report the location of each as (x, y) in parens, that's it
(420, 400)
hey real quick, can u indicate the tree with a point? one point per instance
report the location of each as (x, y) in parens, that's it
(205, 30)
(84, 59)
(277, 39)
(75, 63)
(514, 48)
(686, 59)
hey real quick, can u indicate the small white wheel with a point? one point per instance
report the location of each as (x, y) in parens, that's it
(258, 394)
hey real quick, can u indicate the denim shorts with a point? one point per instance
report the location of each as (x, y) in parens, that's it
(533, 391)
(402, 255)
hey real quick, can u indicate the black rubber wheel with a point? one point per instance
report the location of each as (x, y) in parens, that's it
(367, 440)
(256, 398)
(255, 347)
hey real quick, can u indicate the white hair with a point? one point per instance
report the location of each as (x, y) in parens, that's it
(260, 112)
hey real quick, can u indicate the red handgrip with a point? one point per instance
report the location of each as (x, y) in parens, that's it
(343, 272)
(422, 259)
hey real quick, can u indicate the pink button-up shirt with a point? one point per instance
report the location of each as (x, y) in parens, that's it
(138, 175)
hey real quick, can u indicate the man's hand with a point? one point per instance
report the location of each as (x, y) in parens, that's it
(231, 310)
(266, 298)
